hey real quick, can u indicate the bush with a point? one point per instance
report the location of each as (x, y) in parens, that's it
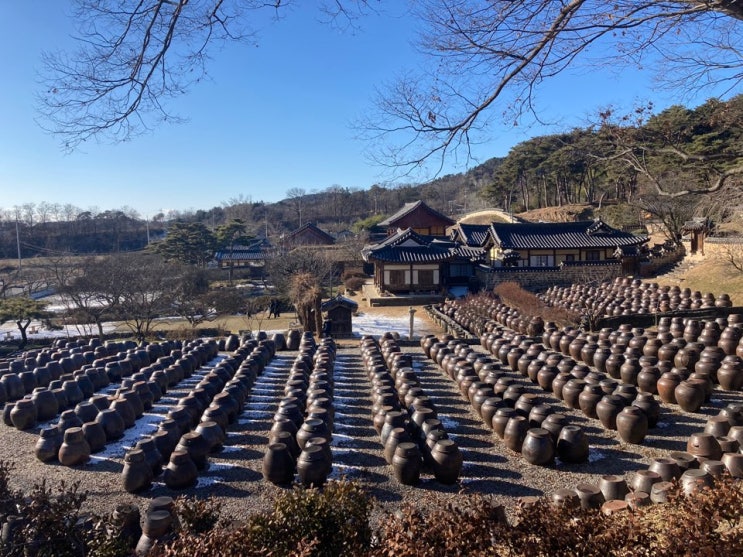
(334, 521)
(354, 283)
(197, 515)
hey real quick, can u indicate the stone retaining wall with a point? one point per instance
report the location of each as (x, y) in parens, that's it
(540, 278)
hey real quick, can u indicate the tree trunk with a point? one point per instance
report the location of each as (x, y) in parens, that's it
(22, 328)
(318, 315)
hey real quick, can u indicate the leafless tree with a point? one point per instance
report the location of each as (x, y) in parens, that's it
(134, 57)
(90, 287)
(487, 58)
(732, 251)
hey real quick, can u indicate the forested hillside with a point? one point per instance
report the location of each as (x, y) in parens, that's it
(672, 165)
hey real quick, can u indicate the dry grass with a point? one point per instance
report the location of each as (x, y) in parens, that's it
(566, 213)
(710, 275)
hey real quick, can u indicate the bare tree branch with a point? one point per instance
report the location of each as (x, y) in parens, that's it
(489, 60)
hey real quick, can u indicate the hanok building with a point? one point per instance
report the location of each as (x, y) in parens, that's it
(339, 311)
(420, 217)
(408, 262)
(697, 229)
(307, 235)
(254, 254)
(551, 244)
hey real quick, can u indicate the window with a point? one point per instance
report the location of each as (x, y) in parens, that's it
(593, 255)
(425, 277)
(460, 270)
(570, 257)
(397, 278)
(540, 260)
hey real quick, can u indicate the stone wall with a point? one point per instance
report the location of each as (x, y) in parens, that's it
(541, 278)
(657, 263)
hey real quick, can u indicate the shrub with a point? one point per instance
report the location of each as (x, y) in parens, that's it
(197, 515)
(354, 283)
(330, 522)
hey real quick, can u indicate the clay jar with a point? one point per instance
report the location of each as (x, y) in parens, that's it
(278, 464)
(137, 473)
(589, 398)
(406, 463)
(614, 488)
(74, 449)
(730, 373)
(515, 432)
(703, 445)
(546, 376)
(571, 392)
(632, 425)
(607, 410)
(181, 471)
(666, 386)
(23, 415)
(572, 445)
(500, 420)
(667, 468)
(690, 394)
(647, 403)
(48, 444)
(447, 461)
(312, 466)
(537, 447)
(554, 424)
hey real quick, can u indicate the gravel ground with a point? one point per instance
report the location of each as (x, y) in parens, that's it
(234, 475)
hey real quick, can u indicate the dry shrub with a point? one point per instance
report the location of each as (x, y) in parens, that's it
(466, 530)
(354, 283)
(333, 521)
(529, 305)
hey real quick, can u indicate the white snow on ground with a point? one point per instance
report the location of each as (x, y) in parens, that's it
(376, 324)
(363, 324)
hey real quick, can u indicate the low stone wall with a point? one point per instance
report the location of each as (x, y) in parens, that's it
(651, 268)
(540, 278)
(720, 247)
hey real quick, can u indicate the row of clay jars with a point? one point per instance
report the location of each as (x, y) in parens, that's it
(312, 439)
(399, 449)
(145, 393)
(184, 450)
(435, 448)
(511, 422)
(232, 381)
(280, 459)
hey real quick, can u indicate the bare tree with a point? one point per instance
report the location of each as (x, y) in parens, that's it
(733, 253)
(134, 57)
(296, 198)
(489, 60)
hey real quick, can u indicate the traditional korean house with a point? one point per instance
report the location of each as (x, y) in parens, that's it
(254, 254)
(307, 235)
(420, 217)
(339, 311)
(408, 262)
(551, 244)
(697, 229)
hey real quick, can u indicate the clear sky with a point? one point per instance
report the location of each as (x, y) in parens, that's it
(273, 117)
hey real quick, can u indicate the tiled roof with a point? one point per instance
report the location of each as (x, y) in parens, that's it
(407, 246)
(339, 301)
(474, 254)
(256, 251)
(410, 254)
(556, 235)
(409, 208)
(472, 234)
(311, 229)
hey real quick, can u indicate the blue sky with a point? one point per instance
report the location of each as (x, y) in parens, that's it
(273, 117)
